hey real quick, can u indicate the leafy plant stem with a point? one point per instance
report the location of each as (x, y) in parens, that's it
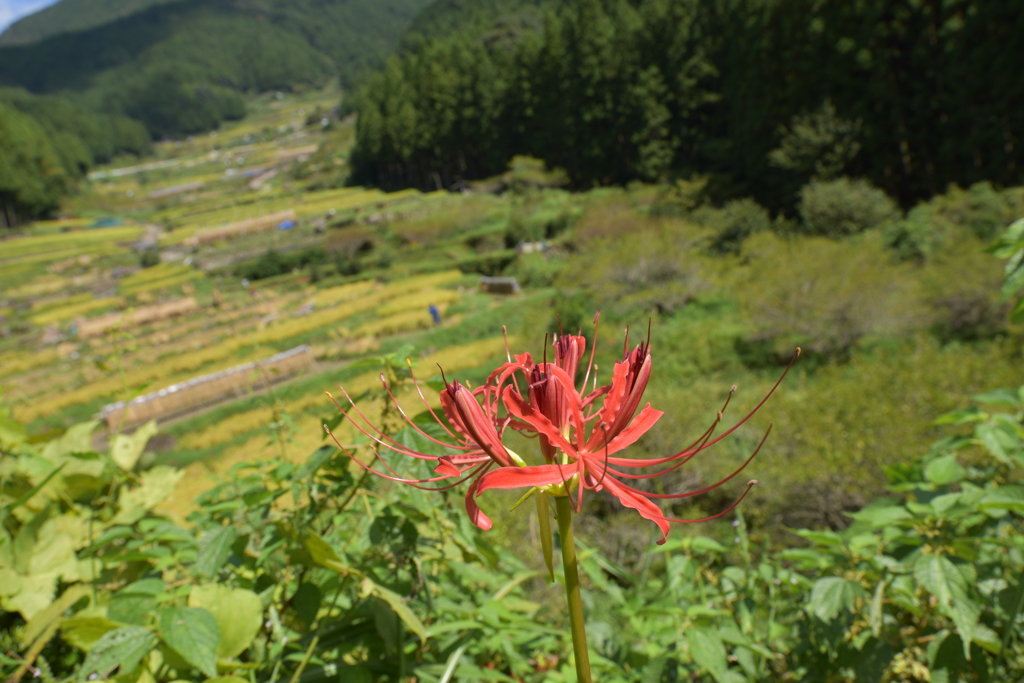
(563, 511)
(305, 659)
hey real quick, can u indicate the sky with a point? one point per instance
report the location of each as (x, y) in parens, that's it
(12, 10)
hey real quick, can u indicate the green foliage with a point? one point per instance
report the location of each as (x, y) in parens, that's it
(32, 178)
(179, 67)
(1011, 246)
(818, 145)
(737, 220)
(980, 210)
(760, 96)
(841, 207)
(274, 263)
(306, 571)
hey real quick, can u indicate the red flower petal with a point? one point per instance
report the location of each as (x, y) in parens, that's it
(520, 477)
(645, 507)
(447, 467)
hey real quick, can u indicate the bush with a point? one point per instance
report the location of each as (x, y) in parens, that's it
(981, 211)
(837, 208)
(825, 295)
(733, 223)
(274, 263)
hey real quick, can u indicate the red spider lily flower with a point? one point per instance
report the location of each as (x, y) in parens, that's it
(578, 440)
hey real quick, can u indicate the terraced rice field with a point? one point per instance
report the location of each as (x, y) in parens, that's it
(82, 317)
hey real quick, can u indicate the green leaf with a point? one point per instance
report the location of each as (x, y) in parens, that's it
(193, 634)
(307, 603)
(882, 515)
(1003, 498)
(394, 600)
(944, 470)
(941, 578)
(962, 415)
(994, 440)
(877, 608)
(123, 648)
(998, 397)
(238, 613)
(84, 632)
(965, 615)
(214, 551)
(126, 450)
(830, 595)
(708, 651)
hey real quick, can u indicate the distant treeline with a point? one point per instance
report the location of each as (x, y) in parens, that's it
(760, 95)
(46, 143)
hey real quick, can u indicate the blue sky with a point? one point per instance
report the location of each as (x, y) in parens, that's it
(12, 10)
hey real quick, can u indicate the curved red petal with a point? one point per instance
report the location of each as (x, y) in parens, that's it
(520, 477)
(645, 507)
(640, 425)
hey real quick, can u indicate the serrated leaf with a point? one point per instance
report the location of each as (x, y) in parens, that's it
(214, 551)
(237, 611)
(708, 651)
(830, 595)
(123, 649)
(941, 578)
(193, 634)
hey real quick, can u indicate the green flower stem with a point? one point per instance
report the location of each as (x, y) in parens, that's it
(572, 589)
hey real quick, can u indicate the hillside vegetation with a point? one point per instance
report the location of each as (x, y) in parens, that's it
(179, 67)
(210, 541)
(760, 96)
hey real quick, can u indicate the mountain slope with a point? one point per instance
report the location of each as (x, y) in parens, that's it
(179, 66)
(70, 16)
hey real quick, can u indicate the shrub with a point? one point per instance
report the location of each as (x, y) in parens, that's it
(837, 208)
(825, 295)
(733, 223)
(274, 263)
(981, 211)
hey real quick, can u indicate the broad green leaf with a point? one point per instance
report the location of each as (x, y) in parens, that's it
(84, 630)
(156, 484)
(998, 397)
(397, 604)
(77, 439)
(123, 648)
(708, 651)
(193, 634)
(214, 551)
(830, 595)
(941, 578)
(1003, 498)
(133, 603)
(882, 515)
(226, 679)
(944, 470)
(995, 441)
(238, 613)
(965, 615)
(126, 450)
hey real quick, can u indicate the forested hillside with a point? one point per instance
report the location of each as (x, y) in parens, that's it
(761, 96)
(179, 67)
(69, 16)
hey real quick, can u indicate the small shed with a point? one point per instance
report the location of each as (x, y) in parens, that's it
(499, 285)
